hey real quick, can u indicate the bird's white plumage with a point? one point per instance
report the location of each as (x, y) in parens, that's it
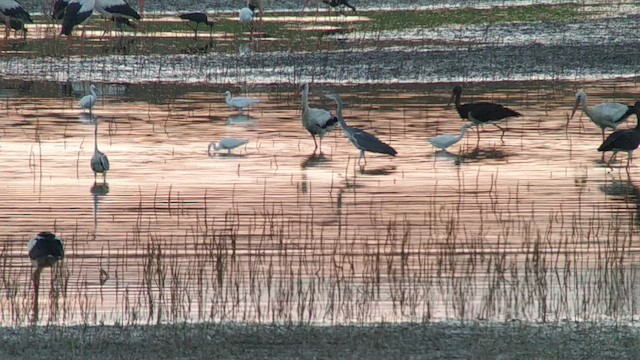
(314, 120)
(226, 144)
(85, 5)
(444, 141)
(606, 115)
(88, 101)
(9, 5)
(246, 15)
(239, 103)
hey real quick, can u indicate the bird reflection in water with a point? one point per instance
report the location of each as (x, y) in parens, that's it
(241, 120)
(625, 190)
(98, 191)
(88, 118)
(315, 159)
(385, 170)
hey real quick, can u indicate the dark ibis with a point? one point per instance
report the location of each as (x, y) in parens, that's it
(623, 140)
(45, 250)
(197, 18)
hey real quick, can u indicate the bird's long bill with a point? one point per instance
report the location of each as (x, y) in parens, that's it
(453, 96)
(209, 148)
(575, 107)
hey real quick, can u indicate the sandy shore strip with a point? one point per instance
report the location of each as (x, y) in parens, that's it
(385, 341)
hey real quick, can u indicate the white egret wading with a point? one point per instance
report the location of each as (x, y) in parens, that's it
(316, 121)
(88, 101)
(226, 144)
(239, 103)
(361, 139)
(442, 142)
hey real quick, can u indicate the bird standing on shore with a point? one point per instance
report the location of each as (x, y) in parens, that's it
(316, 121)
(361, 139)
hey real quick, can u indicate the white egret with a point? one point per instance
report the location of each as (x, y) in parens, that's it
(88, 101)
(239, 103)
(316, 121)
(226, 144)
(444, 141)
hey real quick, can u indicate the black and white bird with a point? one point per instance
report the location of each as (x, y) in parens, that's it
(99, 160)
(361, 139)
(13, 15)
(45, 250)
(115, 9)
(339, 3)
(76, 13)
(480, 113)
(623, 140)
(315, 121)
(606, 115)
(197, 18)
(59, 8)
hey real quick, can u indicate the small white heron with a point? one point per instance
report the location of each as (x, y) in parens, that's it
(607, 115)
(239, 103)
(99, 160)
(76, 13)
(13, 15)
(361, 139)
(88, 101)
(226, 144)
(623, 140)
(45, 250)
(442, 142)
(316, 121)
(246, 18)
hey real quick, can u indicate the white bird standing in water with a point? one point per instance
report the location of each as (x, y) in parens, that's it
(239, 103)
(88, 101)
(444, 141)
(99, 161)
(607, 115)
(316, 121)
(226, 144)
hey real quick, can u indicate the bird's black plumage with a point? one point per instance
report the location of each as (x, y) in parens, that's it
(367, 142)
(73, 16)
(45, 249)
(18, 13)
(626, 139)
(482, 112)
(330, 122)
(336, 3)
(123, 10)
(59, 8)
(196, 17)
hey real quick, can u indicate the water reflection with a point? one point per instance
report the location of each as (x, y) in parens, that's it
(88, 118)
(384, 170)
(485, 153)
(241, 120)
(313, 160)
(98, 191)
(624, 190)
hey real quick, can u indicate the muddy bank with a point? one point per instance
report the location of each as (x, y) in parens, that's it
(431, 341)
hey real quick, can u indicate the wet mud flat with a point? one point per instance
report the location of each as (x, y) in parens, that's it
(477, 340)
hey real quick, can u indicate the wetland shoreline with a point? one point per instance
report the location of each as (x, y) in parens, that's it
(481, 340)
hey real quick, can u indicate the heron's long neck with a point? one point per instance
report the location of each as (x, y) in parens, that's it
(339, 115)
(305, 98)
(95, 137)
(585, 105)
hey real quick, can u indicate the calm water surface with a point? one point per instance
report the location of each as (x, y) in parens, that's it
(533, 226)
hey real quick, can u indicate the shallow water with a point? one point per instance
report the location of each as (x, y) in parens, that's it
(273, 233)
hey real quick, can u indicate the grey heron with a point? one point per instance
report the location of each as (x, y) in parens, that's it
(623, 140)
(444, 141)
(361, 139)
(607, 115)
(239, 103)
(226, 144)
(88, 101)
(316, 121)
(480, 113)
(99, 160)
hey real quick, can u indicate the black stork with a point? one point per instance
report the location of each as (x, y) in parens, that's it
(623, 140)
(480, 113)
(197, 18)
(45, 250)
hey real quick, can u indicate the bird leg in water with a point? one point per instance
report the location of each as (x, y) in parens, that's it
(362, 156)
(35, 278)
(503, 130)
(315, 142)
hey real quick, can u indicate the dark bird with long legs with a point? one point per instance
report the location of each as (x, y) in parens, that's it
(623, 140)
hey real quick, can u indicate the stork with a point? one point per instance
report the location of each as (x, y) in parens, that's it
(316, 121)
(607, 115)
(76, 13)
(116, 9)
(623, 140)
(13, 15)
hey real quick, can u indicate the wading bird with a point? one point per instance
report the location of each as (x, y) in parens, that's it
(226, 144)
(88, 101)
(480, 113)
(59, 8)
(13, 15)
(444, 141)
(45, 250)
(607, 115)
(197, 18)
(316, 121)
(361, 139)
(246, 17)
(623, 140)
(99, 160)
(239, 103)
(339, 3)
(116, 9)
(76, 13)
